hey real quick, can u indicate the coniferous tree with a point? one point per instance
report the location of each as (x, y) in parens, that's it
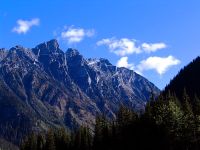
(30, 143)
(187, 108)
(62, 139)
(168, 115)
(101, 133)
(189, 133)
(123, 129)
(196, 110)
(50, 141)
(196, 105)
(125, 117)
(40, 142)
(83, 139)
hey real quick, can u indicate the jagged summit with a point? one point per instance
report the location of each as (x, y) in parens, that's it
(47, 48)
(106, 61)
(17, 47)
(53, 44)
(72, 52)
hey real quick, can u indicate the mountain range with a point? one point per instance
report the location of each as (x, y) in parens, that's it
(46, 87)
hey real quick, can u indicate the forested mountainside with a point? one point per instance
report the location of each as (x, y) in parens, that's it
(187, 79)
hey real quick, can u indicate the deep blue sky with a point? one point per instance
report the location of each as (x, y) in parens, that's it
(174, 23)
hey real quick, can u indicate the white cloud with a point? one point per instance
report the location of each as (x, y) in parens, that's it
(76, 35)
(125, 46)
(123, 62)
(121, 47)
(159, 64)
(25, 25)
(153, 47)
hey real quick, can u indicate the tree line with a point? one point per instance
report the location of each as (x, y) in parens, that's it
(168, 123)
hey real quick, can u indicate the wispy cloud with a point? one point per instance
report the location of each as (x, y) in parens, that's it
(125, 46)
(121, 47)
(123, 62)
(23, 26)
(76, 35)
(159, 64)
(153, 47)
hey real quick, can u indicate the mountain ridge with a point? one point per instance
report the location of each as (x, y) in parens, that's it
(187, 79)
(53, 88)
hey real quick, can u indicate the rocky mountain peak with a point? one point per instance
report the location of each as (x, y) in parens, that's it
(17, 47)
(98, 62)
(71, 52)
(105, 61)
(21, 52)
(46, 48)
(74, 58)
(53, 44)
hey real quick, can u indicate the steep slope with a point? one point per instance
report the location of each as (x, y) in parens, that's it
(45, 87)
(188, 78)
(31, 99)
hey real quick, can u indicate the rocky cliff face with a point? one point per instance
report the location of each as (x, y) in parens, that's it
(46, 87)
